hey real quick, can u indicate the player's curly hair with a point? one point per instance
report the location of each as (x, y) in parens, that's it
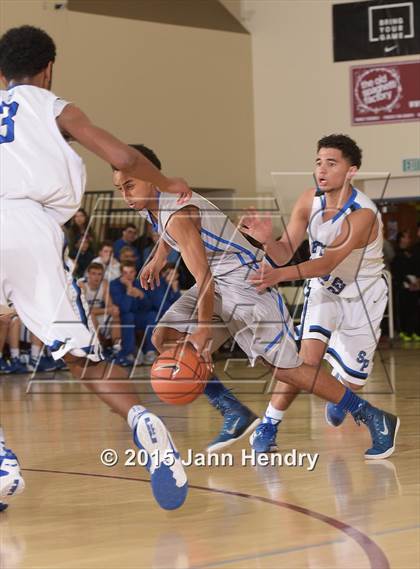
(24, 52)
(149, 154)
(347, 145)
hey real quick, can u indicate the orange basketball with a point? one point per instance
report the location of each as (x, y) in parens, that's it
(179, 375)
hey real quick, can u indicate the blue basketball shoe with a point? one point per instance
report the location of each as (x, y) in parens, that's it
(11, 481)
(383, 428)
(334, 415)
(238, 421)
(17, 366)
(263, 439)
(167, 475)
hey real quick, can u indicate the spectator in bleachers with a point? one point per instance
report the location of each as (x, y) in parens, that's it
(76, 228)
(104, 314)
(137, 314)
(406, 287)
(108, 261)
(127, 254)
(82, 256)
(167, 292)
(10, 332)
(153, 239)
(128, 239)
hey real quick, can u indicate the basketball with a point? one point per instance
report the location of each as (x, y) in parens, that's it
(179, 375)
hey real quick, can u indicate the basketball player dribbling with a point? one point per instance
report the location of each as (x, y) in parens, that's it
(345, 291)
(225, 303)
(42, 184)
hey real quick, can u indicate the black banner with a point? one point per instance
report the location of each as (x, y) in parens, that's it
(377, 28)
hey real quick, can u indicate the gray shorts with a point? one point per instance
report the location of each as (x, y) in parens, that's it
(259, 323)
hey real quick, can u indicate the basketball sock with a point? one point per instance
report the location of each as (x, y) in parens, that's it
(272, 415)
(350, 402)
(215, 388)
(221, 397)
(14, 353)
(35, 350)
(134, 414)
(2, 441)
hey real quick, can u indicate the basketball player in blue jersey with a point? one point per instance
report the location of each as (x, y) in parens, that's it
(42, 181)
(223, 303)
(345, 292)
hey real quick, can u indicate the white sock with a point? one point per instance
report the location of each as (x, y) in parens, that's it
(14, 353)
(133, 415)
(272, 415)
(1, 355)
(35, 350)
(2, 441)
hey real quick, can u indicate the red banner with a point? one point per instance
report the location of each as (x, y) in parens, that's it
(385, 93)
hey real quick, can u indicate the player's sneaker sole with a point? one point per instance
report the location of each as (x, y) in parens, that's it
(167, 475)
(389, 451)
(223, 444)
(11, 481)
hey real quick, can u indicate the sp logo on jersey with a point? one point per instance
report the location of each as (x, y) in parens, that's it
(361, 359)
(7, 124)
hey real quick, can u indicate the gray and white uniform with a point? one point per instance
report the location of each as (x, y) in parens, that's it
(260, 323)
(345, 309)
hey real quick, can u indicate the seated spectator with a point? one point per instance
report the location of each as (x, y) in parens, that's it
(147, 250)
(77, 228)
(82, 257)
(129, 236)
(108, 261)
(137, 315)
(104, 314)
(127, 254)
(406, 287)
(10, 332)
(164, 295)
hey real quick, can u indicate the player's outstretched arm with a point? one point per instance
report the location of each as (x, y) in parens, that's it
(259, 226)
(124, 158)
(150, 273)
(184, 226)
(360, 228)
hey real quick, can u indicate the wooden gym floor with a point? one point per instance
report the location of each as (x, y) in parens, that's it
(77, 513)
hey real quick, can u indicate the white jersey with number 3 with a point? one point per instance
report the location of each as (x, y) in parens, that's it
(362, 267)
(36, 161)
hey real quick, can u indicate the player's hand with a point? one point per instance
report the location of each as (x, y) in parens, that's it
(265, 277)
(150, 273)
(178, 186)
(114, 311)
(201, 340)
(257, 225)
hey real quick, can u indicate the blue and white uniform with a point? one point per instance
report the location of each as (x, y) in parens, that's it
(260, 323)
(42, 181)
(345, 309)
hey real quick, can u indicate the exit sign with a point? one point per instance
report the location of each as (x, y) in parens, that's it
(411, 165)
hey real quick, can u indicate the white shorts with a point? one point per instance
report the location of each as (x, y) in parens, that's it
(350, 327)
(33, 278)
(259, 323)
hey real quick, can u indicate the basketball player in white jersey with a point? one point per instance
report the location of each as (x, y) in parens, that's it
(42, 183)
(345, 293)
(223, 303)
